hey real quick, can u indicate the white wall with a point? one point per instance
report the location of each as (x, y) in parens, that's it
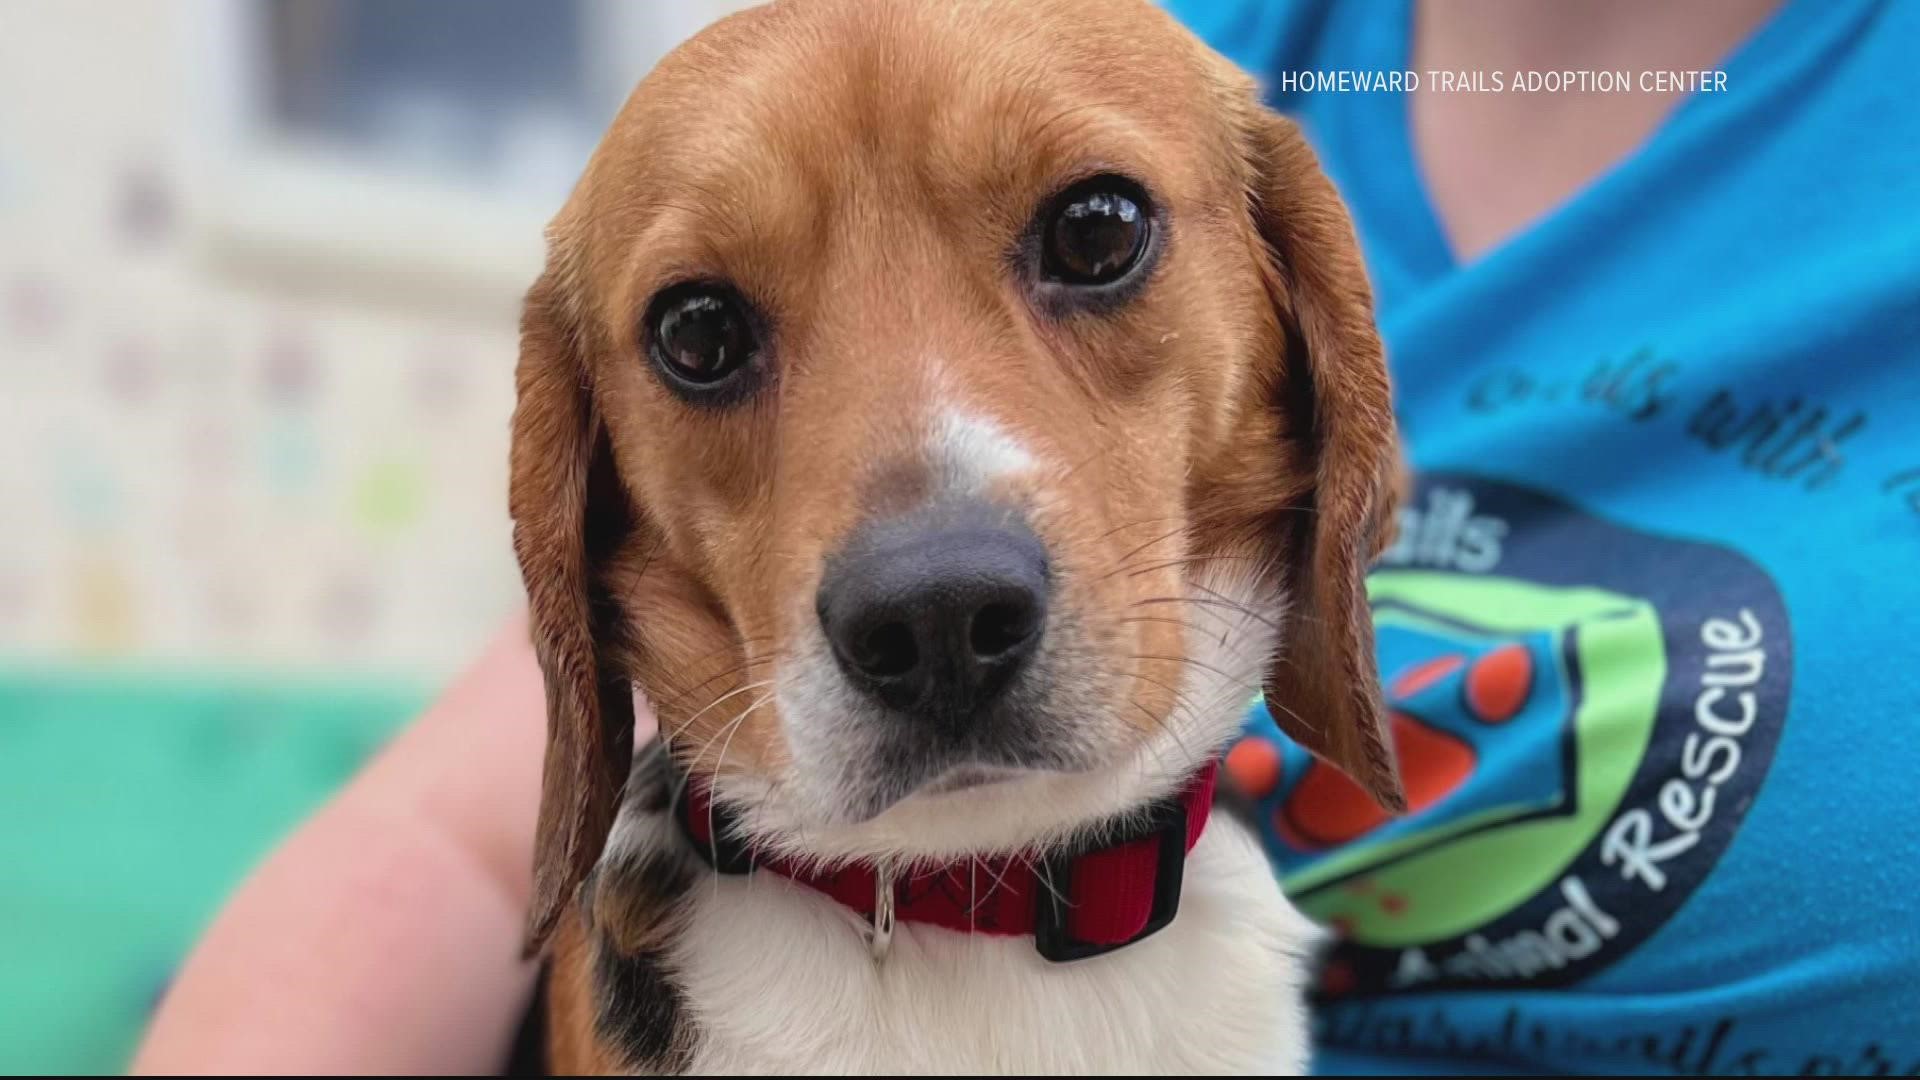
(214, 458)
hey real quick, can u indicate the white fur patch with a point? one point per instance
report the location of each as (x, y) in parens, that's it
(966, 453)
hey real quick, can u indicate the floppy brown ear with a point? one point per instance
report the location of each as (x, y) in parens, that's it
(1324, 688)
(569, 513)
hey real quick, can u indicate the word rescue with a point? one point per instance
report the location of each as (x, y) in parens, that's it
(1643, 840)
(1584, 81)
(1642, 843)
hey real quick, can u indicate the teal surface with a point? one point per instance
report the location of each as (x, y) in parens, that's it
(130, 804)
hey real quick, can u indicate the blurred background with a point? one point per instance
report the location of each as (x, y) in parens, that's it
(260, 263)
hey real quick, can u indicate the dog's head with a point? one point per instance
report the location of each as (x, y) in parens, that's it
(949, 415)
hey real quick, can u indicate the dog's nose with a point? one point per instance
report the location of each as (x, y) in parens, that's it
(935, 618)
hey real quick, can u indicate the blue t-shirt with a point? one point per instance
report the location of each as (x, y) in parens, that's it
(1649, 633)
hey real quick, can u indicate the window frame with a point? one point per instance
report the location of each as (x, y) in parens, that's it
(280, 210)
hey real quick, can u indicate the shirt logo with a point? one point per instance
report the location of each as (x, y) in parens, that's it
(1584, 713)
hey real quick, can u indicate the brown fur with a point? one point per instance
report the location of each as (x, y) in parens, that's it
(573, 1046)
(862, 171)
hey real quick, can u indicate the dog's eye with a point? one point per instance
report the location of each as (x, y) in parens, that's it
(701, 334)
(1096, 233)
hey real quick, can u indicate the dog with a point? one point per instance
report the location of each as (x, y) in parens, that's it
(948, 415)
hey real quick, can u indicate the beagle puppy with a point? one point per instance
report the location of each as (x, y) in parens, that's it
(950, 414)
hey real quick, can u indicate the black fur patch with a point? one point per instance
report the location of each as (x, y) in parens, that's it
(650, 785)
(642, 1011)
(637, 902)
(648, 887)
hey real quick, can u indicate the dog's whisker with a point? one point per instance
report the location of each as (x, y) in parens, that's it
(1216, 601)
(1221, 622)
(692, 763)
(999, 879)
(1159, 723)
(681, 691)
(1181, 701)
(1169, 620)
(1178, 695)
(1226, 628)
(973, 867)
(1162, 538)
(1138, 525)
(733, 728)
(728, 696)
(1232, 679)
(1131, 563)
(1043, 874)
(1189, 560)
(1237, 605)
(681, 694)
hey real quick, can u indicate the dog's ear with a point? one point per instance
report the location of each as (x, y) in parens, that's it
(1324, 688)
(570, 512)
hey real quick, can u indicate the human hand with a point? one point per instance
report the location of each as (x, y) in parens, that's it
(384, 935)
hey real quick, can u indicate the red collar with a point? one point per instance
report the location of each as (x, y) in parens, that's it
(1076, 904)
